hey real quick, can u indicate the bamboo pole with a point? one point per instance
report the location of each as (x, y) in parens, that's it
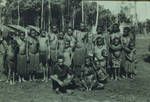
(73, 18)
(18, 13)
(97, 16)
(0, 15)
(94, 27)
(63, 20)
(49, 21)
(82, 11)
(42, 11)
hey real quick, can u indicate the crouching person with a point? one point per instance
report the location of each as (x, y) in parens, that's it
(61, 77)
(89, 79)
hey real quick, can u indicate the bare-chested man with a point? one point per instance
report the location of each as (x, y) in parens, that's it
(44, 53)
(53, 42)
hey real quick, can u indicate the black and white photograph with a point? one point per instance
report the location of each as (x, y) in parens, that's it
(74, 51)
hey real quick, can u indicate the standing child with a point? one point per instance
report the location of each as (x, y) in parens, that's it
(116, 57)
(130, 62)
(67, 53)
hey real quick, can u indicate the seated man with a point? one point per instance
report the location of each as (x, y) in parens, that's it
(61, 76)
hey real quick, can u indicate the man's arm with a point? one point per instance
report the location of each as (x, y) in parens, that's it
(116, 47)
(68, 80)
(55, 78)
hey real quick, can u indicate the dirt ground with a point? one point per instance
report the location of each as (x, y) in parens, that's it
(137, 90)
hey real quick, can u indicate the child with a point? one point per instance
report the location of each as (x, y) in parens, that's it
(116, 50)
(88, 75)
(89, 79)
(67, 53)
(100, 69)
(130, 61)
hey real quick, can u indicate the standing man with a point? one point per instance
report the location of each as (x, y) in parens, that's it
(33, 54)
(53, 44)
(44, 53)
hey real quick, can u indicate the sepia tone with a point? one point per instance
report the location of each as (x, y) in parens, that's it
(74, 51)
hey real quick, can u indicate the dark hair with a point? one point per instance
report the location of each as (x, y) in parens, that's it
(0, 32)
(127, 28)
(60, 57)
(113, 26)
(70, 28)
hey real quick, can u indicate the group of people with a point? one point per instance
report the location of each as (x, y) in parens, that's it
(74, 58)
